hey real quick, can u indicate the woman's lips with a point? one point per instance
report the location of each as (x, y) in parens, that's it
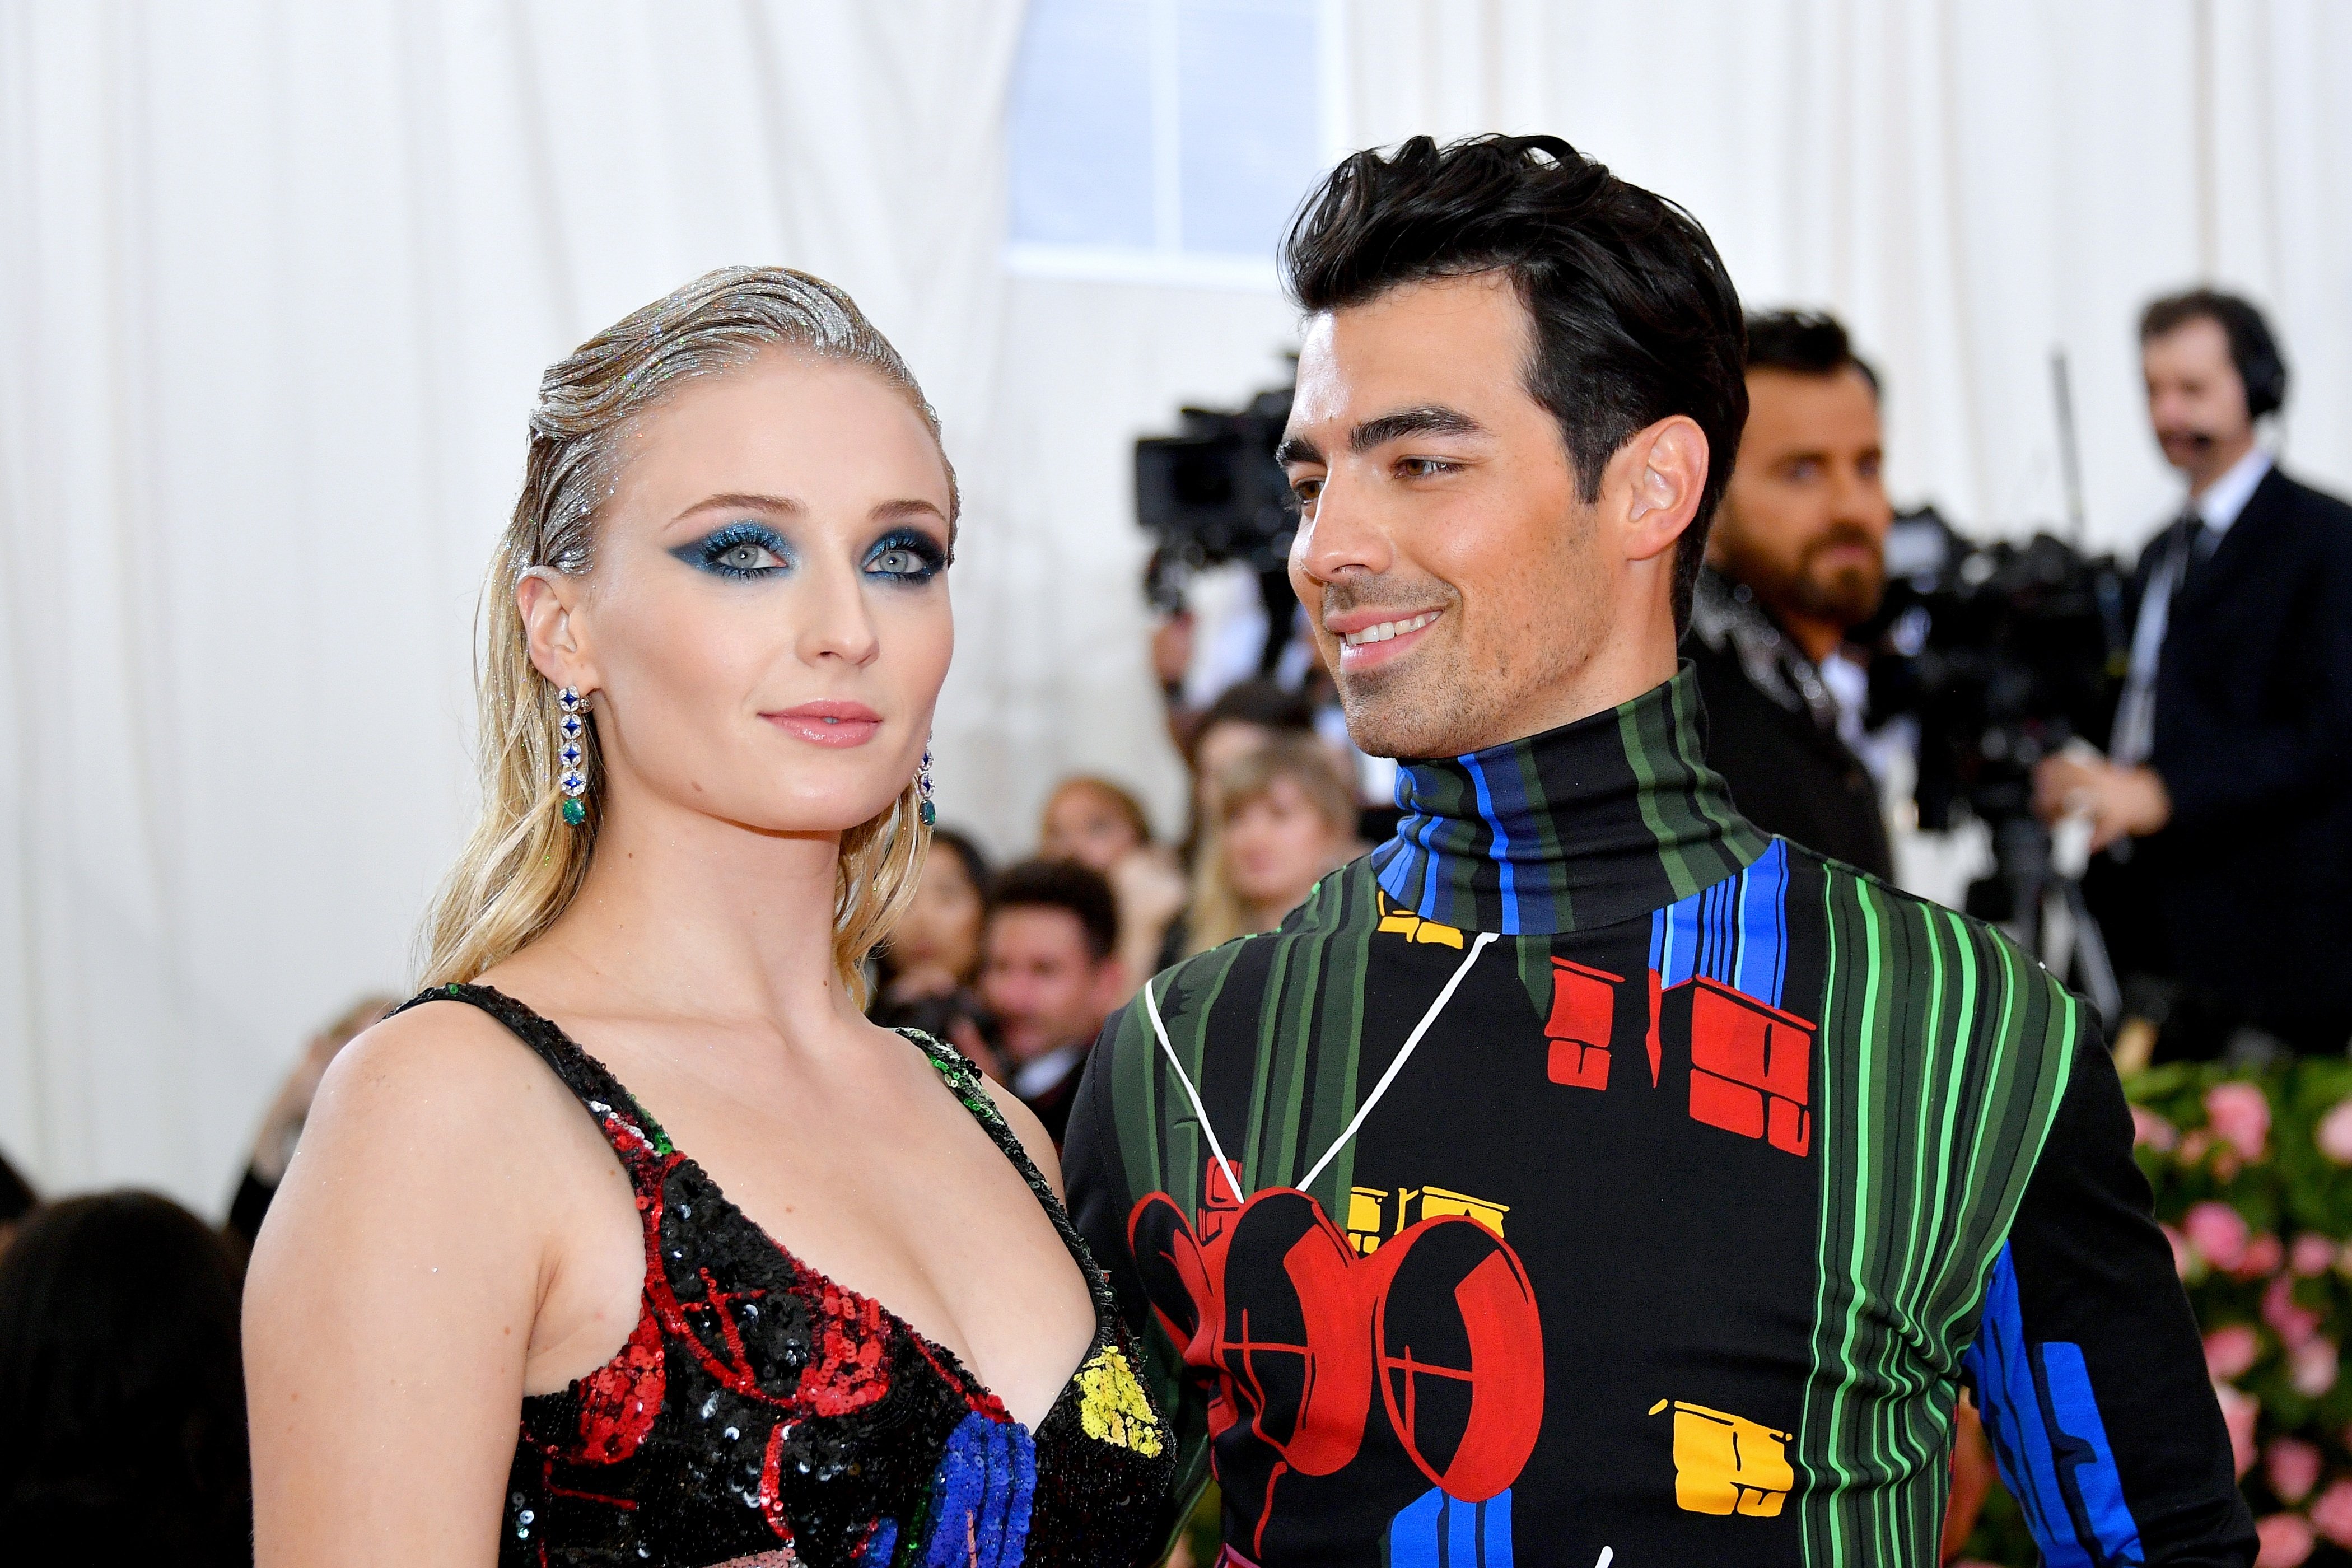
(828, 722)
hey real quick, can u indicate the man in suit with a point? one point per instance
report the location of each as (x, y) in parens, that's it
(2224, 794)
(1050, 972)
(1797, 559)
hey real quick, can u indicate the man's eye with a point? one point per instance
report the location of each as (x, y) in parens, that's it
(1423, 468)
(1305, 490)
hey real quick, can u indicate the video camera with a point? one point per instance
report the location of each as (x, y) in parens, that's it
(2001, 653)
(1214, 494)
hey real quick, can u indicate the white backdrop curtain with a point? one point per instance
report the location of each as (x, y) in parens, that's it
(277, 282)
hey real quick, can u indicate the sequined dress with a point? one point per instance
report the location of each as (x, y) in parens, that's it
(762, 1416)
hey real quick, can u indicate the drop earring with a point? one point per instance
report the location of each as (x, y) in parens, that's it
(929, 813)
(571, 781)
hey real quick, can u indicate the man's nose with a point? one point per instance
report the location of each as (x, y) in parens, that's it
(1345, 535)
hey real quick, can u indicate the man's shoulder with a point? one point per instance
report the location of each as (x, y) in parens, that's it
(2309, 506)
(1185, 995)
(1891, 951)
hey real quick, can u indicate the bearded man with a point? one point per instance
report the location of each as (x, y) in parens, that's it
(1585, 1177)
(1796, 560)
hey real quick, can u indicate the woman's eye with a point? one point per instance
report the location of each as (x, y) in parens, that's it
(746, 558)
(907, 559)
(896, 561)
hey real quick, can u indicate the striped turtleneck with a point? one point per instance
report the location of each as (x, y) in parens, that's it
(1599, 821)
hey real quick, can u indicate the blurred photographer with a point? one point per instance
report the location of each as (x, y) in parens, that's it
(2224, 792)
(1796, 561)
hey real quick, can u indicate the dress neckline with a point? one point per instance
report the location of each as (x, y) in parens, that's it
(962, 1078)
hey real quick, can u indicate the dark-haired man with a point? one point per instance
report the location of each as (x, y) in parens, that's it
(2227, 771)
(1584, 1177)
(1049, 972)
(1797, 558)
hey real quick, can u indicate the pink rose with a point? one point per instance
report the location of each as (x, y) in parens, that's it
(2231, 1351)
(2294, 1324)
(2264, 1255)
(2193, 1144)
(2312, 1255)
(2293, 1466)
(2239, 1411)
(2240, 1116)
(2311, 1367)
(2179, 1244)
(2154, 1131)
(2334, 1134)
(2333, 1514)
(2287, 1539)
(2218, 1232)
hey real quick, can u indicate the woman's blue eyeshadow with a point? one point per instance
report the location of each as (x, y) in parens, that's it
(929, 558)
(709, 553)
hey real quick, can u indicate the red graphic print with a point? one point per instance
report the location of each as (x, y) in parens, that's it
(1751, 1064)
(1583, 1015)
(1268, 1300)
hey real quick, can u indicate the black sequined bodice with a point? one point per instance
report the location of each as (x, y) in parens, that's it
(762, 1416)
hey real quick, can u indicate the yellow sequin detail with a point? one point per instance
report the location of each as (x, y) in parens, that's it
(1113, 1407)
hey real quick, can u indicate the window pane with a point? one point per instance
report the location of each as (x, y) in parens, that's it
(1081, 131)
(1247, 118)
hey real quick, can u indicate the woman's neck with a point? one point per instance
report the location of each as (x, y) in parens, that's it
(683, 913)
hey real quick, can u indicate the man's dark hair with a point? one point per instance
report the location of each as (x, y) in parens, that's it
(1062, 885)
(1635, 317)
(1803, 343)
(2251, 348)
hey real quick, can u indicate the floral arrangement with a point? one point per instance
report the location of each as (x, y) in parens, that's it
(2252, 1174)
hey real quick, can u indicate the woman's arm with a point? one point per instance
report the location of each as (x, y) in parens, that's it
(391, 1302)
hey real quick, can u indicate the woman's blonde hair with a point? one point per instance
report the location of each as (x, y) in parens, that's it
(1218, 913)
(524, 864)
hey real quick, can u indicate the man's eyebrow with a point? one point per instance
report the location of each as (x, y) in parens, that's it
(1433, 420)
(1296, 449)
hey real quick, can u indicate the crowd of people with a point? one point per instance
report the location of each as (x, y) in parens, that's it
(1580, 798)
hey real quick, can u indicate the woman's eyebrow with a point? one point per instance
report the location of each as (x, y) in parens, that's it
(743, 503)
(908, 506)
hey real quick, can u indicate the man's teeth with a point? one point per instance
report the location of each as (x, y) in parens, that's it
(1388, 629)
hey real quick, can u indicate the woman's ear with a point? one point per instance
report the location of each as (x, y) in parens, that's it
(1664, 471)
(549, 600)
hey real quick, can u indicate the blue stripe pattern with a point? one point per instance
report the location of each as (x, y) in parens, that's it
(1440, 1531)
(980, 1493)
(2046, 1432)
(1736, 933)
(1502, 845)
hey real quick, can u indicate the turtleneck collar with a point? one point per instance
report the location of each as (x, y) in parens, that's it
(1593, 823)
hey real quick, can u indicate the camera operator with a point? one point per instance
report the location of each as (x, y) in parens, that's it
(1796, 561)
(2225, 789)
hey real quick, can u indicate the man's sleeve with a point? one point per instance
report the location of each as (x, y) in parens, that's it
(2088, 1367)
(1095, 1170)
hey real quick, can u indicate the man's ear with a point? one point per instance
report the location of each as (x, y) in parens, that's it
(1655, 483)
(557, 635)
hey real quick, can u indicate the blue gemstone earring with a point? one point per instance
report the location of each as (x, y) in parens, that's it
(931, 814)
(571, 781)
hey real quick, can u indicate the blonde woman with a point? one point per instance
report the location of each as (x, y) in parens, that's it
(630, 1240)
(1283, 819)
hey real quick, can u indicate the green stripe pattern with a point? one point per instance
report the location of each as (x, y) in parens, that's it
(1945, 1052)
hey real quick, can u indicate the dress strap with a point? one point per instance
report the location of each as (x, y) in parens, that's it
(632, 1131)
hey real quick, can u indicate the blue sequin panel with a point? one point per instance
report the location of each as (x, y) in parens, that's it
(980, 1492)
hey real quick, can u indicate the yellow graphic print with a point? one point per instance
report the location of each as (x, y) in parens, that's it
(1377, 1213)
(1412, 928)
(1727, 1464)
(1112, 1407)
